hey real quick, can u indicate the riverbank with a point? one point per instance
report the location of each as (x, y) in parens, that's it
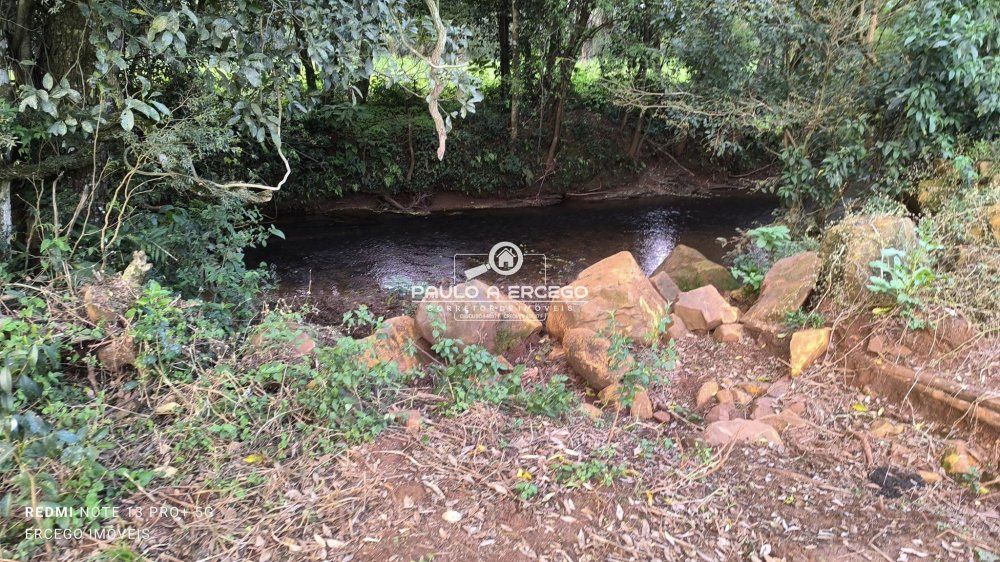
(658, 178)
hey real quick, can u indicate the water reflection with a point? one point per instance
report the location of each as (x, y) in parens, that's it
(360, 254)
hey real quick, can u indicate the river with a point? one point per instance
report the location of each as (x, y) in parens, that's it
(343, 260)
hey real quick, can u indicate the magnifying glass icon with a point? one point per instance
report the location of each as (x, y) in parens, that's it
(505, 258)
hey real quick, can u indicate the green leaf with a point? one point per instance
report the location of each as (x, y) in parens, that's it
(159, 24)
(127, 120)
(6, 384)
(47, 81)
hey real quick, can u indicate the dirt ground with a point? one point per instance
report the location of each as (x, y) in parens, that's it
(492, 485)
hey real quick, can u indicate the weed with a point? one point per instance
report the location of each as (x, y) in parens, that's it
(800, 319)
(525, 490)
(578, 474)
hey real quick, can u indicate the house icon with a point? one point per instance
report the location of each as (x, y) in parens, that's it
(506, 258)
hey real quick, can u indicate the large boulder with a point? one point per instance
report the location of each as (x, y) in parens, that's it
(849, 247)
(397, 341)
(785, 289)
(476, 314)
(690, 269)
(704, 309)
(615, 288)
(587, 353)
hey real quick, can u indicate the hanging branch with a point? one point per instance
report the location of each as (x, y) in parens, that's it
(435, 72)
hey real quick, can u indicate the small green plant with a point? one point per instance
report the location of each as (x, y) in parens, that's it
(551, 398)
(904, 278)
(578, 474)
(772, 239)
(801, 319)
(525, 490)
(748, 272)
(640, 368)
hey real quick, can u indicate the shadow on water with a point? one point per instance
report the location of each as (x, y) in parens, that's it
(341, 261)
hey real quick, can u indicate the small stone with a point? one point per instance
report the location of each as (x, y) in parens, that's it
(782, 421)
(763, 408)
(413, 420)
(741, 431)
(721, 412)
(677, 329)
(705, 394)
(728, 333)
(754, 389)
(451, 516)
(958, 461)
(930, 477)
(661, 416)
(642, 406)
(742, 397)
(609, 395)
(778, 388)
(118, 353)
(798, 407)
(883, 428)
(591, 411)
(806, 347)
(725, 396)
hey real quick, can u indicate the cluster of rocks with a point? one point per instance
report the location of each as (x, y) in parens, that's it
(748, 412)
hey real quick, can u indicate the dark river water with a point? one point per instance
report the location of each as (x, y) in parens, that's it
(340, 261)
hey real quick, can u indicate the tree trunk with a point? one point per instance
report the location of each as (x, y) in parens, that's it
(565, 74)
(637, 135)
(364, 85)
(503, 38)
(6, 223)
(305, 60)
(515, 71)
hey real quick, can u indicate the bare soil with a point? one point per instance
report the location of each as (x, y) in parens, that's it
(451, 491)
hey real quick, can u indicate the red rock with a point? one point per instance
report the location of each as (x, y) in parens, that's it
(806, 347)
(676, 330)
(690, 269)
(784, 420)
(725, 396)
(591, 411)
(728, 333)
(665, 286)
(778, 388)
(705, 394)
(615, 286)
(704, 309)
(785, 288)
(721, 412)
(414, 421)
(642, 406)
(741, 431)
(764, 407)
(398, 341)
(661, 416)
(489, 318)
(588, 354)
